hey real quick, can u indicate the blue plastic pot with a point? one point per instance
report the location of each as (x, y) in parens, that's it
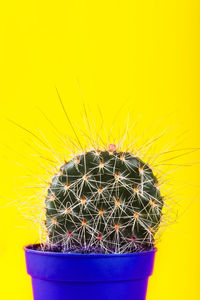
(63, 276)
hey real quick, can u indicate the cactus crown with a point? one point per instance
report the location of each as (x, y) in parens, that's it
(103, 201)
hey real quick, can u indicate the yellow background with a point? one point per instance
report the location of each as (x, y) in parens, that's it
(143, 53)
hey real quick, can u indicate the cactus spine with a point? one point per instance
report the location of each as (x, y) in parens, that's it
(103, 201)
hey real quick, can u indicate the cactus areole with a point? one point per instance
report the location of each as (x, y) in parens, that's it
(103, 209)
(103, 202)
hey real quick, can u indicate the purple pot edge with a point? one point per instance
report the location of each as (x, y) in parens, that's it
(82, 255)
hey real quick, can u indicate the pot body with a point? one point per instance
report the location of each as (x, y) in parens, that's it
(72, 276)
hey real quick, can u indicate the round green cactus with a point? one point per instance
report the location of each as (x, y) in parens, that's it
(107, 201)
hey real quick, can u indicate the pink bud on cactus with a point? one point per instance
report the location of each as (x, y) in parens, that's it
(112, 147)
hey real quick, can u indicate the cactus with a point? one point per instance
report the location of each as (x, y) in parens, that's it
(104, 202)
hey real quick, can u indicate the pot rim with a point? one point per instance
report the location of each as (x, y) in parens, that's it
(83, 255)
